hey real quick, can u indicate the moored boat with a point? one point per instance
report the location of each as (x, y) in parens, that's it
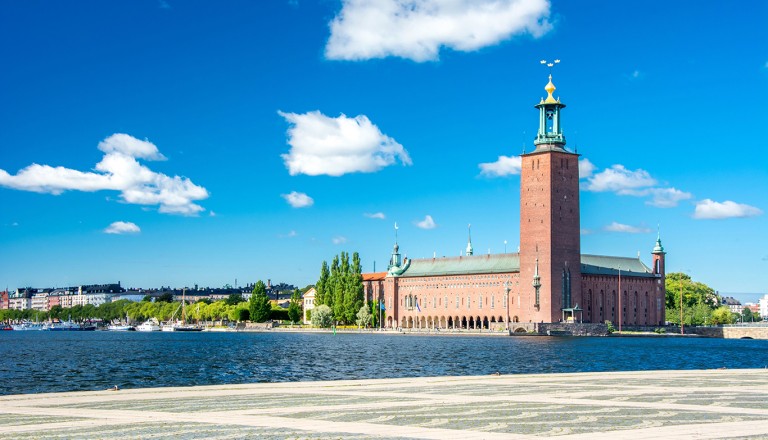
(120, 328)
(148, 326)
(68, 326)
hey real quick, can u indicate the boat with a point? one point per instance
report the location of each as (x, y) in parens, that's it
(6, 327)
(68, 326)
(26, 325)
(181, 326)
(120, 328)
(148, 326)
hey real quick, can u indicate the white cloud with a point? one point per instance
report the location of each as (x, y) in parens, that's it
(339, 240)
(585, 231)
(418, 29)
(504, 166)
(298, 200)
(709, 209)
(619, 180)
(624, 182)
(618, 227)
(337, 146)
(290, 234)
(636, 74)
(122, 228)
(427, 223)
(586, 168)
(211, 214)
(119, 171)
(378, 215)
(667, 197)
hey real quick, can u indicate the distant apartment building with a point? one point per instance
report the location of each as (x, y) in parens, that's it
(763, 307)
(309, 303)
(21, 299)
(733, 304)
(40, 301)
(4, 300)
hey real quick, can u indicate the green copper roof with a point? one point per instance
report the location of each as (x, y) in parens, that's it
(604, 265)
(494, 263)
(506, 263)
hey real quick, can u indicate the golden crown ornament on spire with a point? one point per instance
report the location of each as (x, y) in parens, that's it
(550, 88)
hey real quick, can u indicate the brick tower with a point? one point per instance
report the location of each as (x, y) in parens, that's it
(550, 242)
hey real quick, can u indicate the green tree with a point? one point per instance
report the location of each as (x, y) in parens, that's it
(333, 295)
(321, 289)
(699, 300)
(353, 289)
(165, 297)
(722, 315)
(363, 317)
(294, 308)
(322, 316)
(147, 298)
(56, 312)
(234, 299)
(259, 306)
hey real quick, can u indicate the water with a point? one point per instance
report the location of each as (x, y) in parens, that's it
(34, 362)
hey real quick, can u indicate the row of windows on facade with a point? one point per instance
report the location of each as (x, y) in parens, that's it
(410, 301)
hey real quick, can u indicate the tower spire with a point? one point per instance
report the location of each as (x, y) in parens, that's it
(550, 133)
(470, 250)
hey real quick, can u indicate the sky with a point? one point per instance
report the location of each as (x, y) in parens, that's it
(180, 143)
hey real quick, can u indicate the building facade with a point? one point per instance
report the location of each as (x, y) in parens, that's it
(548, 280)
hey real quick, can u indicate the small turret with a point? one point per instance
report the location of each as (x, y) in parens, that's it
(470, 250)
(658, 257)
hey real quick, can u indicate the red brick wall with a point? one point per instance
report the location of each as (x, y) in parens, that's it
(550, 228)
(642, 299)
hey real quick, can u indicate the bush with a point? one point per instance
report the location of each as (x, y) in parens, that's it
(610, 326)
(278, 315)
(660, 330)
(322, 316)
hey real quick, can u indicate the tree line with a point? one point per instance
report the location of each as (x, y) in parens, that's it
(234, 309)
(701, 303)
(340, 290)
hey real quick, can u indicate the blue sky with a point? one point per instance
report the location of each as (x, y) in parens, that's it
(180, 143)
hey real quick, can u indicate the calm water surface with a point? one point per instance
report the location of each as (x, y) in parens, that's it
(34, 362)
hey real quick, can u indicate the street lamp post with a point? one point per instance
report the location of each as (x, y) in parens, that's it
(620, 309)
(505, 246)
(682, 324)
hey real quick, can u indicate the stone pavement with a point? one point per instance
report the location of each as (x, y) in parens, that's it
(643, 405)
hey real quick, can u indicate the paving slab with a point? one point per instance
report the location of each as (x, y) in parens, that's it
(698, 404)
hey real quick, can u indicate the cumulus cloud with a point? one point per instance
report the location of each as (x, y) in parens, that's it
(620, 180)
(298, 200)
(666, 197)
(709, 209)
(427, 223)
(639, 183)
(418, 29)
(119, 170)
(337, 146)
(504, 166)
(339, 240)
(618, 227)
(122, 228)
(586, 168)
(377, 215)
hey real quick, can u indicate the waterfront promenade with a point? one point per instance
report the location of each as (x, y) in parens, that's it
(697, 404)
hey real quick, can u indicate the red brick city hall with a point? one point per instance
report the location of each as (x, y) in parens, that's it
(548, 280)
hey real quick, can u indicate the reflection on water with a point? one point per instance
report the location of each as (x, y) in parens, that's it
(32, 362)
